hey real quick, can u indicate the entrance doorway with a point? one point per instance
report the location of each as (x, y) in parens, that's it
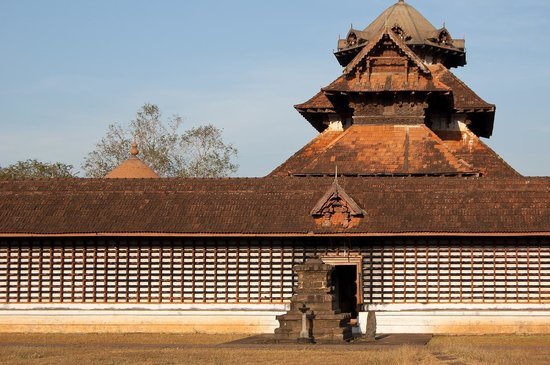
(344, 279)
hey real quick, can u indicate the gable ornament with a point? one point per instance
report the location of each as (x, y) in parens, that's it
(337, 209)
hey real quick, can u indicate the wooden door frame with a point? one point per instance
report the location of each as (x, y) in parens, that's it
(349, 260)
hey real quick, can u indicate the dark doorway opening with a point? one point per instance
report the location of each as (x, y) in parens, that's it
(344, 279)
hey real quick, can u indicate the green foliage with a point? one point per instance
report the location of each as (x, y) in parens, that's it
(34, 169)
(198, 152)
(204, 154)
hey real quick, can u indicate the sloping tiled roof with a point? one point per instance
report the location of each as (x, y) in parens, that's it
(379, 82)
(464, 97)
(413, 28)
(272, 206)
(384, 81)
(132, 168)
(319, 101)
(468, 147)
(306, 154)
(407, 17)
(375, 150)
(443, 80)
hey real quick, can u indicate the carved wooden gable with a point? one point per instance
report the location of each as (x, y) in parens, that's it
(387, 53)
(337, 208)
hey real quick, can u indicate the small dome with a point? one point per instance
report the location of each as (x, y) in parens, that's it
(413, 24)
(132, 168)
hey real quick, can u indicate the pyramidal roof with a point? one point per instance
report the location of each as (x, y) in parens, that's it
(376, 150)
(132, 168)
(414, 24)
(430, 43)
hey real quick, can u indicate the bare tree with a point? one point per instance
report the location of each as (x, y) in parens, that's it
(198, 152)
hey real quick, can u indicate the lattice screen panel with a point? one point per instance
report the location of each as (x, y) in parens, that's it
(149, 272)
(461, 273)
(224, 271)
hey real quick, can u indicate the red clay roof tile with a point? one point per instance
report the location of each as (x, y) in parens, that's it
(272, 206)
(133, 168)
(468, 147)
(464, 97)
(319, 101)
(376, 150)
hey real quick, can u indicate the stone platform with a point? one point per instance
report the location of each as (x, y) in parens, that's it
(314, 299)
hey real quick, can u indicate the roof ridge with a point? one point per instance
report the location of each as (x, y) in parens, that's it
(407, 9)
(491, 151)
(436, 70)
(448, 149)
(327, 147)
(279, 168)
(444, 70)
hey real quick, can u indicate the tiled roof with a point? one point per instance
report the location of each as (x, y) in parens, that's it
(464, 97)
(272, 206)
(319, 101)
(132, 168)
(379, 82)
(408, 18)
(443, 80)
(468, 147)
(375, 150)
(385, 34)
(409, 24)
(379, 72)
(298, 161)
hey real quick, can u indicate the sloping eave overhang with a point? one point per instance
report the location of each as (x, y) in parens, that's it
(274, 235)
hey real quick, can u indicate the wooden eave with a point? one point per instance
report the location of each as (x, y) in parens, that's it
(397, 174)
(441, 47)
(316, 111)
(277, 235)
(352, 49)
(335, 92)
(490, 109)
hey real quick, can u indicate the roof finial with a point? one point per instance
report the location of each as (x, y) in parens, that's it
(336, 175)
(134, 151)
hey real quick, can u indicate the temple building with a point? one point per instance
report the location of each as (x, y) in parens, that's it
(417, 220)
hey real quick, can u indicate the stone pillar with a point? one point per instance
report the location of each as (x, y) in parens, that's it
(314, 290)
(370, 334)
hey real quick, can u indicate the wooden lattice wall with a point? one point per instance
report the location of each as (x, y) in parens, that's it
(252, 271)
(465, 273)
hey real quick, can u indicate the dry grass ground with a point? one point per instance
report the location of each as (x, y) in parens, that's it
(202, 349)
(498, 350)
(185, 349)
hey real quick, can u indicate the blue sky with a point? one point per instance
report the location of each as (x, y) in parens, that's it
(69, 68)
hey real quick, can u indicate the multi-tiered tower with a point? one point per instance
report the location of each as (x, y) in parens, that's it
(397, 109)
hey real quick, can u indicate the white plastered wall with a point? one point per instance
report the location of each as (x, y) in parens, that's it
(256, 319)
(247, 319)
(457, 319)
